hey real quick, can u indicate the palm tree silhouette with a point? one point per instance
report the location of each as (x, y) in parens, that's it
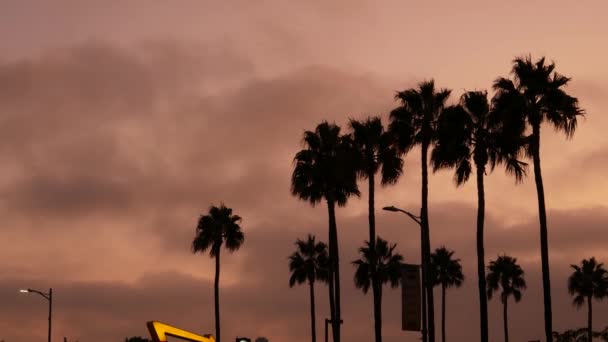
(414, 123)
(505, 273)
(446, 272)
(470, 133)
(213, 230)
(309, 263)
(571, 336)
(388, 270)
(326, 169)
(376, 153)
(588, 281)
(535, 96)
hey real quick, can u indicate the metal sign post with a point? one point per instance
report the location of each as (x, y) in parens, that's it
(410, 297)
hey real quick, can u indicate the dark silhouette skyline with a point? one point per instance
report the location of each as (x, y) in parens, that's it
(123, 121)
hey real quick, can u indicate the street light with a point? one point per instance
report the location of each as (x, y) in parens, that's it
(422, 265)
(47, 296)
(412, 216)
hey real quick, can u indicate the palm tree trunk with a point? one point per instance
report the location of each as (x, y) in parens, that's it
(313, 328)
(216, 288)
(332, 299)
(335, 262)
(442, 312)
(589, 315)
(424, 218)
(542, 216)
(504, 318)
(372, 244)
(377, 289)
(372, 218)
(481, 267)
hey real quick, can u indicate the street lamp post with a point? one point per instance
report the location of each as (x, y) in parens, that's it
(423, 266)
(47, 296)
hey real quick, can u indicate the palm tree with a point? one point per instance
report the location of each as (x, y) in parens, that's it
(414, 123)
(309, 263)
(446, 272)
(505, 273)
(533, 97)
(388, 270)
(213, 230)
(326, 169)
(470, 133)
(377, 153)
(588, 281)
(578, 335)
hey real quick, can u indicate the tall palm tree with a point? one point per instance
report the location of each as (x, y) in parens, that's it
(388, 270)
(219, 227)
(377, 153)
(471, 133)
(506, 274)
(535, 96)
(446, 272)
(588, 281)
(326, 170)
(308, 264)
(414, 123)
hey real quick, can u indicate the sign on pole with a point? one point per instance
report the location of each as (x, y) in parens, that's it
(410, 297)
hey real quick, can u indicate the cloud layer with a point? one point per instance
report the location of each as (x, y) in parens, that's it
(114, 138)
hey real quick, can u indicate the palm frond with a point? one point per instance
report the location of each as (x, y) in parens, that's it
(309, 262)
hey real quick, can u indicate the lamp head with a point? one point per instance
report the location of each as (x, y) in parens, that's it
(24, 290)
(391, 208)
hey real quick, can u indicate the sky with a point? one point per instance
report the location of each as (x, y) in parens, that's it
(121, 122)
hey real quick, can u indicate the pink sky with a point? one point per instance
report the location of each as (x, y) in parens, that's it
(121, 122)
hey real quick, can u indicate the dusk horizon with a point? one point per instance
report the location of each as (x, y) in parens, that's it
(123, 123)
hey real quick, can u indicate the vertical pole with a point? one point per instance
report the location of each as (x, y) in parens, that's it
(423, 291)
(423, 270)
(326, 321)
(50, 310)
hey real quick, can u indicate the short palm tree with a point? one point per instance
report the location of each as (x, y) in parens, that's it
(572, 335)
(388, 270)
(414, 123)
(219, 227)
(536, 96)
(506, 274)
(326, 169)
(446, 272)
(309, 264)
(588, 281)
(376, 153)
(470, 133)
